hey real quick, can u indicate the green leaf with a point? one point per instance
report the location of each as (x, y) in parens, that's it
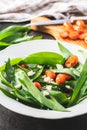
(4, 44)
(21, 39)
(12, 62)
(79, 85)
(48, 58)
(4, 81)
(25, 38)
(5, 35)
(84, 54)
(12, 31)
(64, 51)
(37, 74)
(72, 71)
(83, 90)
(24, 79)
(59, 96)
(10, 72)
(7, 93)
(13, 37)
(27, 97)
(36, 38)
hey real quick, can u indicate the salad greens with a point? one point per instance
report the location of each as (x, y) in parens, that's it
(66, 53)
(42, 58)
(80, 82)
(15, 34)
(43, 80)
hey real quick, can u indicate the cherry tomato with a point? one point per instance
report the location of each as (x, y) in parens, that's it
(61, 78)
(74, 35)
(82, 36)
(38, 85)
(64, 34)
(68, 26)
(80, 23)
(23, 66)
(85, 39)
(72, 61)
(79, 29)
(50, 74)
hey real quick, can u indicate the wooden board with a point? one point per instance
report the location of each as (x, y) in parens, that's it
(55, 30)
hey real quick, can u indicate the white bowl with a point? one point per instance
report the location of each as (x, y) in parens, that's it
(22, 50)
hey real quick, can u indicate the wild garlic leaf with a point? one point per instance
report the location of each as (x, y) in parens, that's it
(64, 51)
(10, 72)
(50, 58)
(80, 82)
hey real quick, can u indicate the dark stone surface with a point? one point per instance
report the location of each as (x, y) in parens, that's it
(12, 121)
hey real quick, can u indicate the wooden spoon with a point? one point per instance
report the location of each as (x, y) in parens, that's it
(55, 30)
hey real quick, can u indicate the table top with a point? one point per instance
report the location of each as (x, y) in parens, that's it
(12, 121)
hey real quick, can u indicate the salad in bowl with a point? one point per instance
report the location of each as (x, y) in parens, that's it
(51, 81)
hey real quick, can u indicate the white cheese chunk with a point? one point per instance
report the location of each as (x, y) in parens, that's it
(31, 73)
(39, 66)
(18, 86)
(45, 93)
(59, 67)
(49, 87)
